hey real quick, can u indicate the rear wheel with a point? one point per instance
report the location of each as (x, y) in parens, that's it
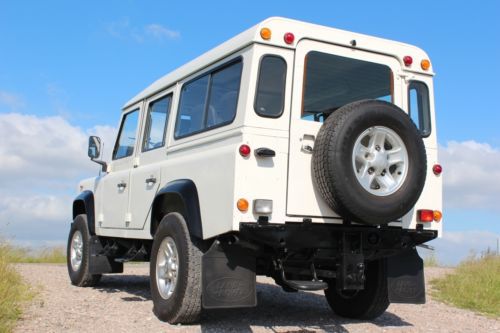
(368, 303)
(175, 270)
(78, 254)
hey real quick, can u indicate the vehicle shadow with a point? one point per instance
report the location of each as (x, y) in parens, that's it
(135, 285)
(275, 309)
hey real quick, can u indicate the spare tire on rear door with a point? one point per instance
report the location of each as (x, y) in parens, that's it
(369, 162)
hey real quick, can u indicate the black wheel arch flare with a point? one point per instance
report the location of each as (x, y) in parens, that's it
(180, 196)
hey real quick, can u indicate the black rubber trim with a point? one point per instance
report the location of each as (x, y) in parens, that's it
(84, 204)
(180, 196)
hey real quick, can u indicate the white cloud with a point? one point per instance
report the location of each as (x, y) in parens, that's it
(471, 175)
(43, 158)
(455, 246)
(160, 32)
(12, 101)
(124, 29)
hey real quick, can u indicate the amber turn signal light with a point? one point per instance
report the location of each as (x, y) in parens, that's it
(242, 205)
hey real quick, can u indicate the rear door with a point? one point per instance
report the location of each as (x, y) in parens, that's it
(145, 177)
(327, 77)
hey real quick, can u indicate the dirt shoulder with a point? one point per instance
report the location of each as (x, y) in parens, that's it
(123, 303)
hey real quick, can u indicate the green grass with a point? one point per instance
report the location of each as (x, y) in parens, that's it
(431, 260)
(56, 255)
(13, 291)
(474, 285)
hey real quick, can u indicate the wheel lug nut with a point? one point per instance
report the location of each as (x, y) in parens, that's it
(377, 148)
(370, 171)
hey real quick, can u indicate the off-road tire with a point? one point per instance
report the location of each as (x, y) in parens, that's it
(366, 304)
(81, 277)
(334, 174)
(184, 305)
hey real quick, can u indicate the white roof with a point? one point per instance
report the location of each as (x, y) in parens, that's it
(279, 26)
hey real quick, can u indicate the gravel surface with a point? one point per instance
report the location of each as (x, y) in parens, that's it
(122, 303)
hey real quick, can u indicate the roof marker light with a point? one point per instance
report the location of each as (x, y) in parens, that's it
(408, 61)
(265, 33)
(289, 38)
(425, 64)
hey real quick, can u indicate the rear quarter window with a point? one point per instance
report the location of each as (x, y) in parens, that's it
(418, 106)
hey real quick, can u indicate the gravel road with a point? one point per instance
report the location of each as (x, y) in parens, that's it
(122, 303)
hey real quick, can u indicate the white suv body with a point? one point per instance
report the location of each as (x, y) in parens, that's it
(246, 145)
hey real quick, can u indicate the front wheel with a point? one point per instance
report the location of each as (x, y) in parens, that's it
(78, 254)
(175, 271)
(368, 303)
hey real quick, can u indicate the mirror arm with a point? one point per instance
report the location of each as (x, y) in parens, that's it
(103, 164)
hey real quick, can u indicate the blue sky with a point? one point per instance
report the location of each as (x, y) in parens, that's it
(72, 65)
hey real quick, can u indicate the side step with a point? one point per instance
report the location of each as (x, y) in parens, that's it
(133, 255)
(304, 285)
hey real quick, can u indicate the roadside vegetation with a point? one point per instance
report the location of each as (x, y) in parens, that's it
(54, 255)
(13, 292)
(474, 285)
(431, 260)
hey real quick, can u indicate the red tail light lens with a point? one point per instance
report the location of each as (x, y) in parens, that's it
(289, 38)
(437, 169)
(408, 60)
(425, 215)
(245, 150)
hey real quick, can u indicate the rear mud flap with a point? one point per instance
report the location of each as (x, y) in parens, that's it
(228, 277)
(405, 278)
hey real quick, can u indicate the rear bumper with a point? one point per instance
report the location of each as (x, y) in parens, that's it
(374, 241)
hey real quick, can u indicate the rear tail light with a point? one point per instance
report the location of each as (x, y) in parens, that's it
(427, 215)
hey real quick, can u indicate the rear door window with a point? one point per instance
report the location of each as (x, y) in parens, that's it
(332, 81)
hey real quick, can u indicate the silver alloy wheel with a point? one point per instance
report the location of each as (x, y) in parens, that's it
(76, 250)
(167, 267)
(380, 160)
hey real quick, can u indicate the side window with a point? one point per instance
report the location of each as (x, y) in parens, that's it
(209, 101)
(270, 95)
(223, 98)
(126, 138)
(156, 123)
(418, 100)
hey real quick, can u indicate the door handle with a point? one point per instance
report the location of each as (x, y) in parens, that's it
(265, 152)
(150, 180)
(121, 185)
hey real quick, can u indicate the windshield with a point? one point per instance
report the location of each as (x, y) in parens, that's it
(333, 81)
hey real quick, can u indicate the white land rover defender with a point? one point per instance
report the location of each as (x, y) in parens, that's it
(296, 151)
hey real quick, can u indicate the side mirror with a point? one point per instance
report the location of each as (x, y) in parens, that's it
(94, 151)
(94, 147)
